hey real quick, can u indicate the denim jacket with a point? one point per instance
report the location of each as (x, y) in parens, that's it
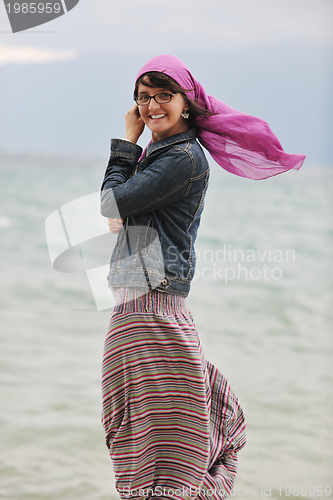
(161, 199)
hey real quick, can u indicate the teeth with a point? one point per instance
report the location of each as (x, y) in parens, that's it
(157, 116)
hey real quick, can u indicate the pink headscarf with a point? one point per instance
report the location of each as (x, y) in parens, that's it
(242, 144)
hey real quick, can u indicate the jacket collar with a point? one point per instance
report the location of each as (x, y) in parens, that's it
(169, 141)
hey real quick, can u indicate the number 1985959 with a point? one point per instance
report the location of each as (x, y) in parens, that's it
(33, 8)
(304, 491)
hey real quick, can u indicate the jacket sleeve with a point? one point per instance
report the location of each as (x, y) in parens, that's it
(161, 183)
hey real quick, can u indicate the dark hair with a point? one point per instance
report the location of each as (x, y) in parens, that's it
(158, 79)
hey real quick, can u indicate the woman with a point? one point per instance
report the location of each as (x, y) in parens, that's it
(173, 425)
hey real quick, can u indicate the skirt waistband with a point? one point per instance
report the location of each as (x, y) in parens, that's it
(128, 300)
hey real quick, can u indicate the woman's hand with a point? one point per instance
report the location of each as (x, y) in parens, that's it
(134, 124)
(115, 225)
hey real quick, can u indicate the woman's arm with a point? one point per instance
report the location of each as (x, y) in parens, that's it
(161, 183)
(128, 157)
(122, 163)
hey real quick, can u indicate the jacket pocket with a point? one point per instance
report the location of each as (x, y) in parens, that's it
(137, 240)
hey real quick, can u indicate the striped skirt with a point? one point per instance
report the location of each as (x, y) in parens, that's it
(173, 425)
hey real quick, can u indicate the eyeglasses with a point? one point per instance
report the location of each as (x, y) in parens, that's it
(160, 98)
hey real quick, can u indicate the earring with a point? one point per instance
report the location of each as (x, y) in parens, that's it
(185, 114)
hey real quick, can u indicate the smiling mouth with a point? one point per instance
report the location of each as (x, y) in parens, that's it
(156, 117)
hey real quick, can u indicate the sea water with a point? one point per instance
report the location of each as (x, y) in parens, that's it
(261, 300)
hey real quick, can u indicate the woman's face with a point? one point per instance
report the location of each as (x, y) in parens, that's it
(164, 120)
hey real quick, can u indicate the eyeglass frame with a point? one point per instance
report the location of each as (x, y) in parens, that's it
(154, 97)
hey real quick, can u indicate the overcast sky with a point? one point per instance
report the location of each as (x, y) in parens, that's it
(249, 53)
(130, 26)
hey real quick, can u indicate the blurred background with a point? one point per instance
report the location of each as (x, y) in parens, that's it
(64, 89)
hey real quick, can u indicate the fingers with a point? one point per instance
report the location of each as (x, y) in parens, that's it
(133, 114)
(115, 225)
(134, 124)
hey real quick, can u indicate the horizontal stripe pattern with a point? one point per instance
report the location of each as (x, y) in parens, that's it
(170, 418)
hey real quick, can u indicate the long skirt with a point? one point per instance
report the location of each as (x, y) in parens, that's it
(173, 425)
